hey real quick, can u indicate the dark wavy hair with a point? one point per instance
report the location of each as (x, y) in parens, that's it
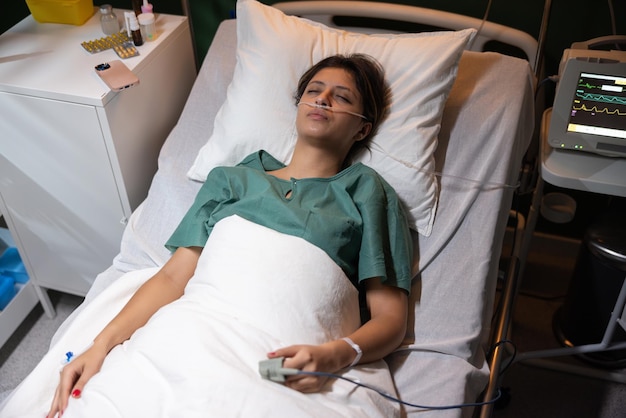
(369, 77)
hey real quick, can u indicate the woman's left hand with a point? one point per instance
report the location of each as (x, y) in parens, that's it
(376, 338)
(328, 357)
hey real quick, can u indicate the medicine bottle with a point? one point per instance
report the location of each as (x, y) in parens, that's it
(147, 26)
(136, 6)
(108, 20)
(146, 7)
(132, 28)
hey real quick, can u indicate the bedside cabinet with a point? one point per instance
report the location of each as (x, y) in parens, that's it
(75, 157)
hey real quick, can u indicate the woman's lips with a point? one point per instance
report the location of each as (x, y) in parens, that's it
(318, 114)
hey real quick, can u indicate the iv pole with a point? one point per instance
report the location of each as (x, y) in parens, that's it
(543, 29)
(187, 12)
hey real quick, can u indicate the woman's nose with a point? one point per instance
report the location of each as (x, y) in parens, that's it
(322, 99)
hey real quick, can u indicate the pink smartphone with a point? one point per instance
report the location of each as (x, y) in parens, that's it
(116, 75)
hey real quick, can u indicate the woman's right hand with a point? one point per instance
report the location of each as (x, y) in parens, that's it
(74, 376)
(167, 285)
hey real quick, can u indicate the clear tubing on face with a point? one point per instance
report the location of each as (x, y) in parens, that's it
(331, 109)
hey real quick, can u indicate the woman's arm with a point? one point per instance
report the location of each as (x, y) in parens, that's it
(377, 338)
(384, 332)
(165, 286)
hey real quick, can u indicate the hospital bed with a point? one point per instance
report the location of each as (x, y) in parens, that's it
(486, 126)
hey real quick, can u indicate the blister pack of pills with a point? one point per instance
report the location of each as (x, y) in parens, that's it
(119, 42)
(126, 50)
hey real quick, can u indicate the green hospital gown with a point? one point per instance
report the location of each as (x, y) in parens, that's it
(354, 216)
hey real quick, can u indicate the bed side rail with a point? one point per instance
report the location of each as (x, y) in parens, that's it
(326, 12)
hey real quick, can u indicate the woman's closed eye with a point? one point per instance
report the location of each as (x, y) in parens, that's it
(343, 99)
(338, 97)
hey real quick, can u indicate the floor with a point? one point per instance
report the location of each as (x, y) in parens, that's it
(29, 343)
(533, 391)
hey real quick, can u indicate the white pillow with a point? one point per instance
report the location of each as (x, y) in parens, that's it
(274, 50)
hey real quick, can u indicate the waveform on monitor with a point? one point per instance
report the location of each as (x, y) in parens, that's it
(588, 86)
(594, 109)
(602, 98)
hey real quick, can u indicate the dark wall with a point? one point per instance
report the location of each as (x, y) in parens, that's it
(12, 11)
(570, 21)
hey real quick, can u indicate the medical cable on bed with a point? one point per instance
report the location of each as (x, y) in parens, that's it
(272, 369)
(482, 184)
(408, 164)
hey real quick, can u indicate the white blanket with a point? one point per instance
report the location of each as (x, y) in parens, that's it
(254, 290)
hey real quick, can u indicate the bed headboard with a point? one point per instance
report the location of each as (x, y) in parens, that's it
(367, 16)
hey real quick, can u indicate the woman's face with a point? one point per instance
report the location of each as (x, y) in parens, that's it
(332, 128)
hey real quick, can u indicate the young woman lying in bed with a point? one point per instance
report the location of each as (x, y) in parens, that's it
(348, 211)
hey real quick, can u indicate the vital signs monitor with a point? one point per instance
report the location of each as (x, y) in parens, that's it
(589, 111)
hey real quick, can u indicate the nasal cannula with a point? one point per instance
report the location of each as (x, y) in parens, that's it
(331, 109)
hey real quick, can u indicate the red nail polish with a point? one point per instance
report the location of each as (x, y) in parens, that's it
(76, 393)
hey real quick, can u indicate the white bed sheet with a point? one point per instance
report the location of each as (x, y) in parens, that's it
(199, 356)
(486, 128)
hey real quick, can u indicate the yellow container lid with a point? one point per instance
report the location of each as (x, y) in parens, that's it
(71, 12)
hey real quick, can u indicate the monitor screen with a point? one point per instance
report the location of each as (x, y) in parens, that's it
(599, 105)
(589, 111)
